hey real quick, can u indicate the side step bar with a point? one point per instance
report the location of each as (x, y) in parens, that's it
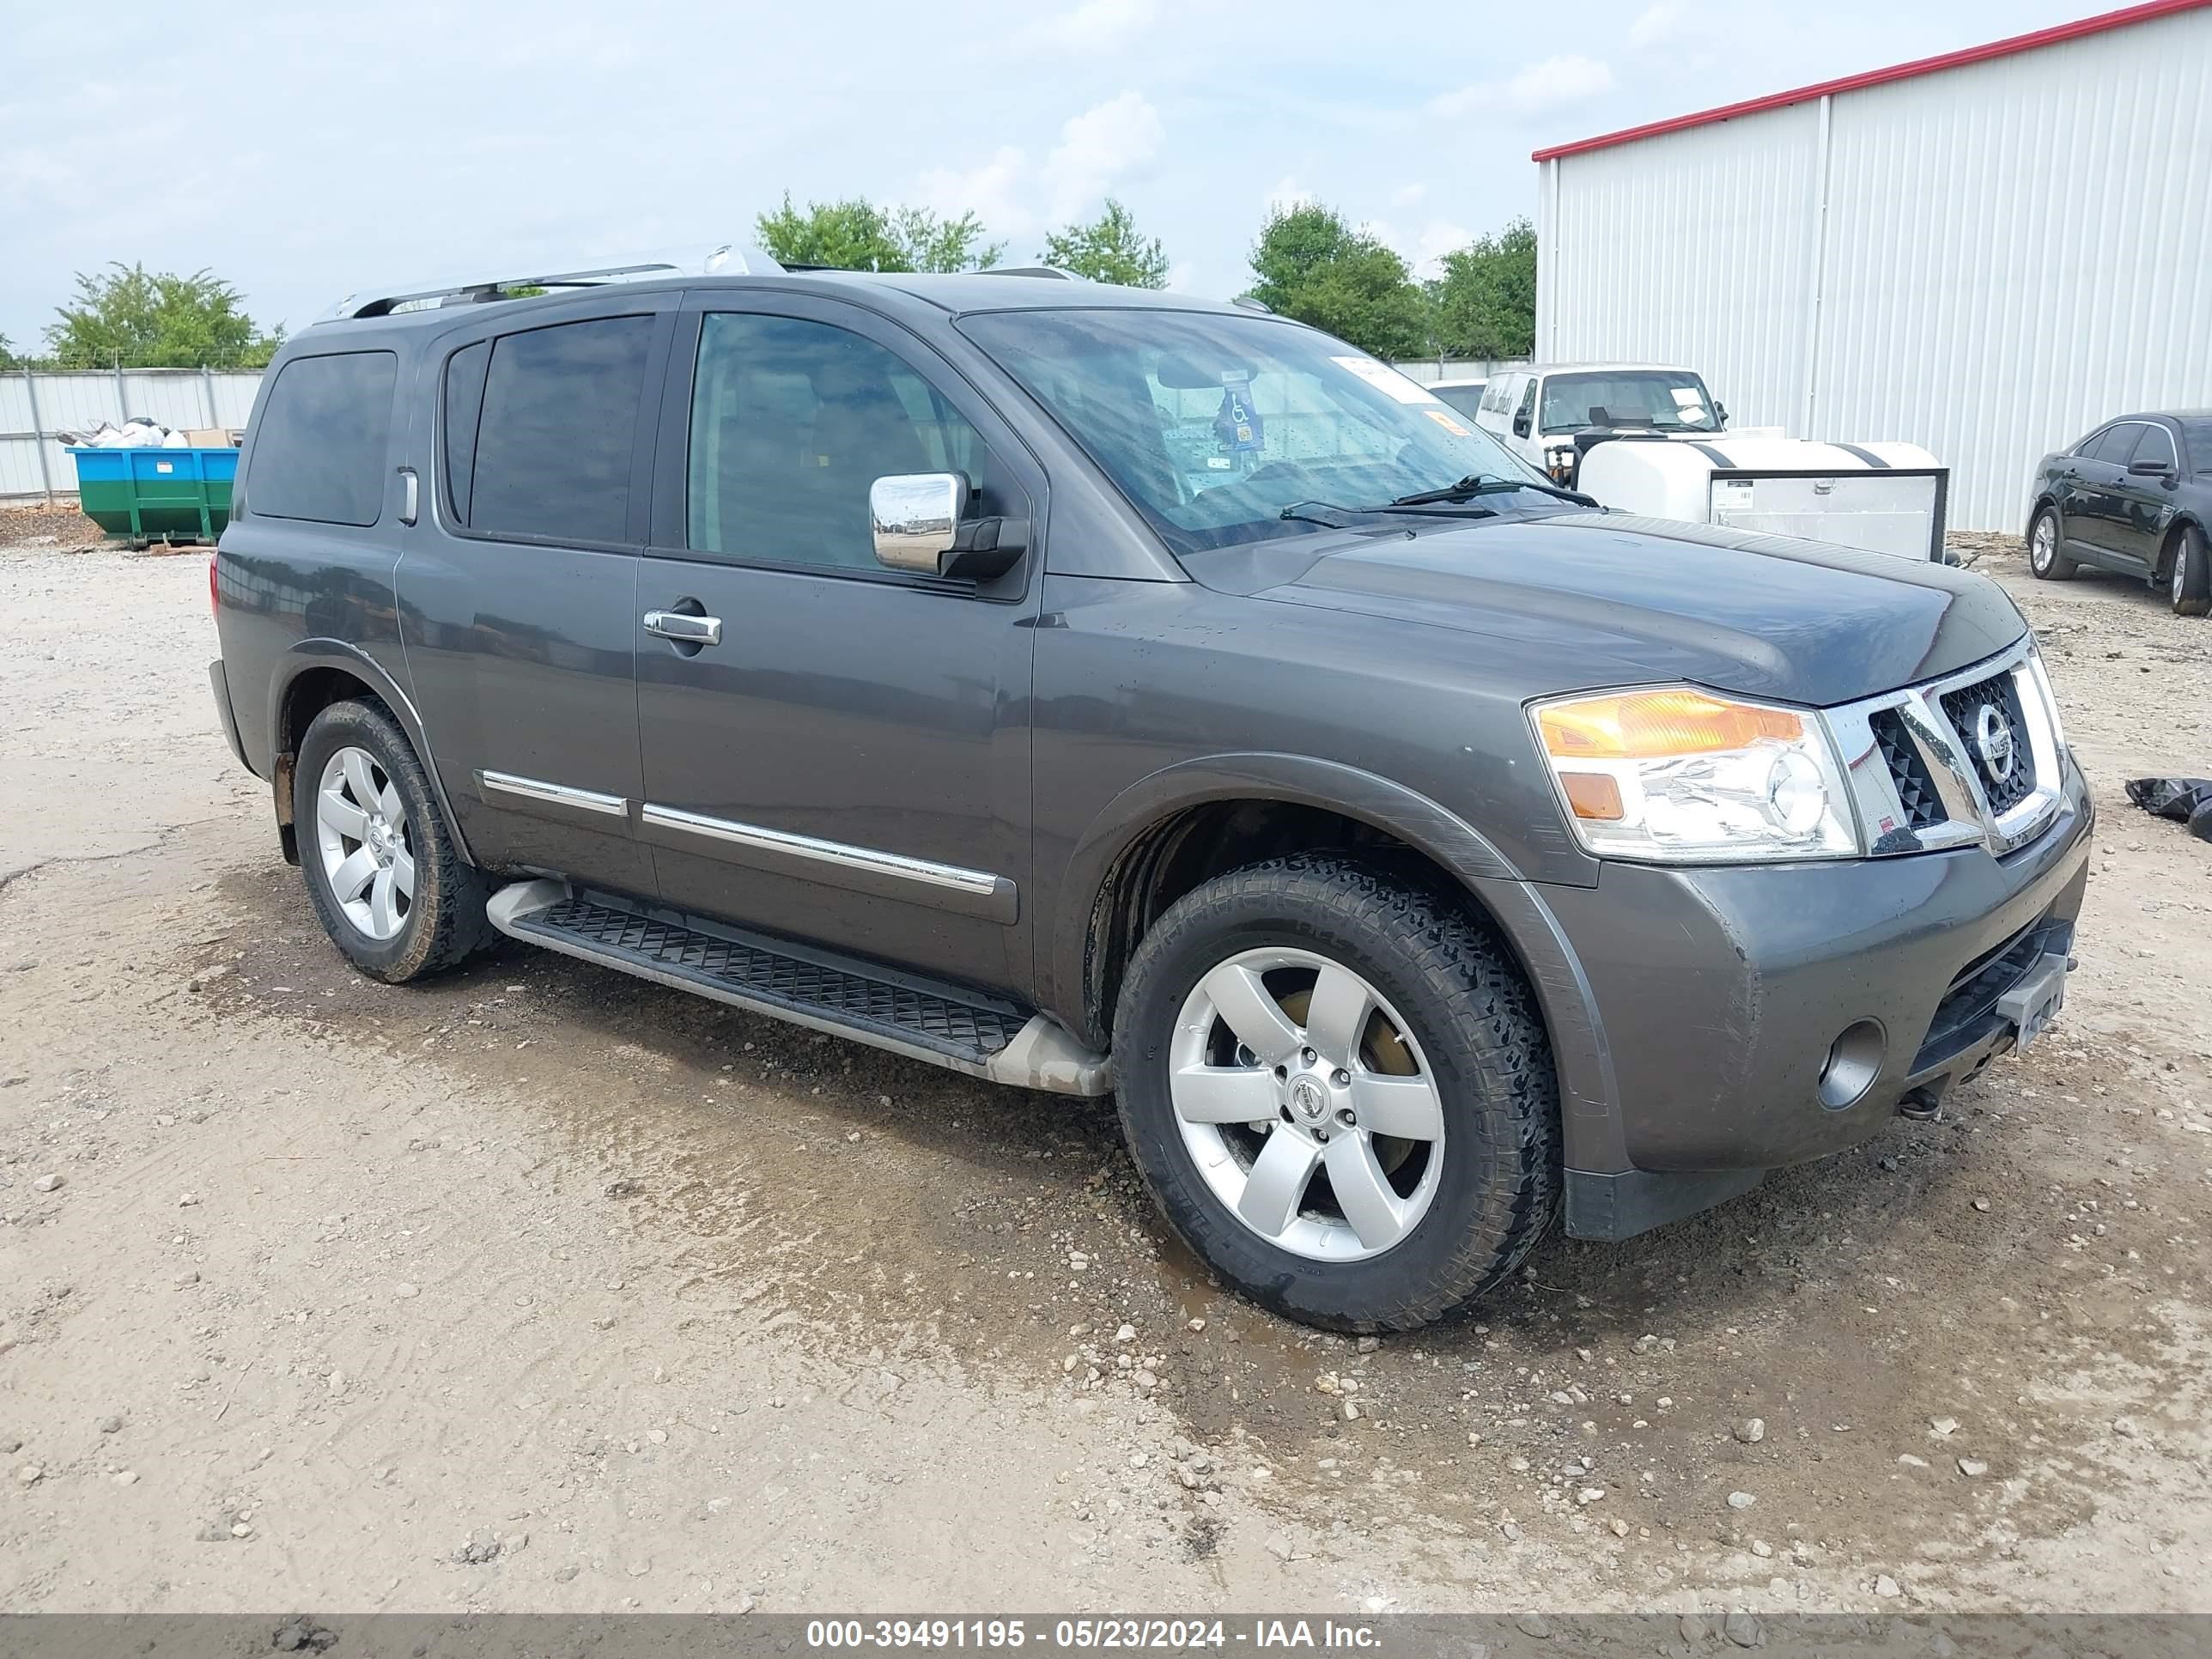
(944, 1024)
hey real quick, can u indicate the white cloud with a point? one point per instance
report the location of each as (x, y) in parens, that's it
(1107, 144)
(1408, 195)
(1658, 23)
(1465, 101)
(1567, 79)
(995, 192)
(1437, 238)
(1097, 24)
(1549, 84)
(1424, 250)
(1287, 195)
(1186, 276)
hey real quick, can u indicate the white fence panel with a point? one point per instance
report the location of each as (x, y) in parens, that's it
(35, 407)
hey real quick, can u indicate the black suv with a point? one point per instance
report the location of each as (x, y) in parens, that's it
(1091, 690)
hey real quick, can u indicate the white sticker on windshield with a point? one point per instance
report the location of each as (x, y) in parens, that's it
(1687, 395)
(1384, 378)
(1691, 411)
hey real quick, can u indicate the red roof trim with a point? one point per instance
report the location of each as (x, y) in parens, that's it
(2005, 48)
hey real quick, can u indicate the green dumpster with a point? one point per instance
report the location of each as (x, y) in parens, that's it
(156, 495)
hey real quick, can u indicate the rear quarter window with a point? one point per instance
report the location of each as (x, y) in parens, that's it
(555, 426)
(321, 442)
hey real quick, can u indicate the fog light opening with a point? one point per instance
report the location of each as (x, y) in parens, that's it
(1853, 1063)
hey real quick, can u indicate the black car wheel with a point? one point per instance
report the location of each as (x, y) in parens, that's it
(1337, 1089)
(2188, 582)
(388, 883)
(2044, 556)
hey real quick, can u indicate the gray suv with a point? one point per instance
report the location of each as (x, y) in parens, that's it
(1091, 690)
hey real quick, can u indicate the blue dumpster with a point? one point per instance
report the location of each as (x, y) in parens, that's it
(156, 495)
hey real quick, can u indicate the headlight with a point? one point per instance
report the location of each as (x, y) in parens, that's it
(1679, 776)
(2041, 676)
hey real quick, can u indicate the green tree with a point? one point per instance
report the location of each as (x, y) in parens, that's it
(8, 358)
(1486, 300)
(855, 234)
(1313, 266)
(1108, 249)
(157, 319)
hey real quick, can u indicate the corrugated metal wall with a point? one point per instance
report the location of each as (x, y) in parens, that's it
(74, 400)
(1691, 249)
(2013, 250)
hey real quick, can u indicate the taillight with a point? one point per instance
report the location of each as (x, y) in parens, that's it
(214, 600)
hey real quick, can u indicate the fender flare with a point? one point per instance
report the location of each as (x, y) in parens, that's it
(308, 654)
(1588, 1088)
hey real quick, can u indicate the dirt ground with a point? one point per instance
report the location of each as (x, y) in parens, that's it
(542, 1288)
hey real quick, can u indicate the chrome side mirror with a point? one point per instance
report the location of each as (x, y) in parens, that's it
(914, 518)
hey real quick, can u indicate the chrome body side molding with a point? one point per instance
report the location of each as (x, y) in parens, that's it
(549, 794)
(976, 893)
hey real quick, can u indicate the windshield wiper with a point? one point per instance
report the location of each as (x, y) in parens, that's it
(1311, 511)
(1345, 517)
(1489, 483)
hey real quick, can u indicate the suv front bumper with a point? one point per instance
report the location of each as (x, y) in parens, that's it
(1719, 994)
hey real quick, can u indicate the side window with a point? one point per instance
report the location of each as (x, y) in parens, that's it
(2113, 443)
(555, 432)
(464, 410)
(322, 440)
(2157, 444)
(792, 421)
(1528, 408)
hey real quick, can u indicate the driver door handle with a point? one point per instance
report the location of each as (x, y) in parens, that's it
(677, 625)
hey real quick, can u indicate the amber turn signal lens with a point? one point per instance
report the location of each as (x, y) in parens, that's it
(1593, 795)
(1655, 725)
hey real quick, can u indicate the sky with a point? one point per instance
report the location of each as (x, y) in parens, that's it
(302, 151)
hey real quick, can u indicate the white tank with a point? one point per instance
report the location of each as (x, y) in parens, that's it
(1881, 497)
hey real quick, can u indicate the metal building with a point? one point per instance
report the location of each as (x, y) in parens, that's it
(1985, 254)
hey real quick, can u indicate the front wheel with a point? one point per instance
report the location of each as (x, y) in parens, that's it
(1339, 1092)
(388, 883)
(2043, 557)
(2189, 584)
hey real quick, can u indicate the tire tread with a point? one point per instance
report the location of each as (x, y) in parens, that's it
(450, 892)
(1351, 904)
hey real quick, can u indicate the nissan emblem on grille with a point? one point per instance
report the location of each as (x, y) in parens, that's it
(1993, 737)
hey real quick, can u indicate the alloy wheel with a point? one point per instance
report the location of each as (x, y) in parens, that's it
(366, 845)
(1304, 1100)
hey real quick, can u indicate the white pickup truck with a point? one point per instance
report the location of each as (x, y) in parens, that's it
(1652, 438)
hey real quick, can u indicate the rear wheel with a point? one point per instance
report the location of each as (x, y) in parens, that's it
(2043, 557)
(2189, 581)
(1339, 1091)
(388, 883)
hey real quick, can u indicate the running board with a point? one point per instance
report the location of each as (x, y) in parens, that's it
(923, 1019)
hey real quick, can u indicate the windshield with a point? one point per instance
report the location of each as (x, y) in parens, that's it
(1665, 398)
(1212, 426)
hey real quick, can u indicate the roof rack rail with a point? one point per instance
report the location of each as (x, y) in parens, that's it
(727, 259)
(1030, 270)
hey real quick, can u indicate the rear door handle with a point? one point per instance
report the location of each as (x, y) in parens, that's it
(677, 625)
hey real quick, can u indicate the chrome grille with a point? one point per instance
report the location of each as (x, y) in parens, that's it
(1988, 717)
(1972, 757)
(1916, 789)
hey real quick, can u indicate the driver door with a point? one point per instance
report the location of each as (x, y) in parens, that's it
(844, 757)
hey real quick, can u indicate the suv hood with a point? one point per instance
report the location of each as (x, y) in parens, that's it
(1608, 598)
